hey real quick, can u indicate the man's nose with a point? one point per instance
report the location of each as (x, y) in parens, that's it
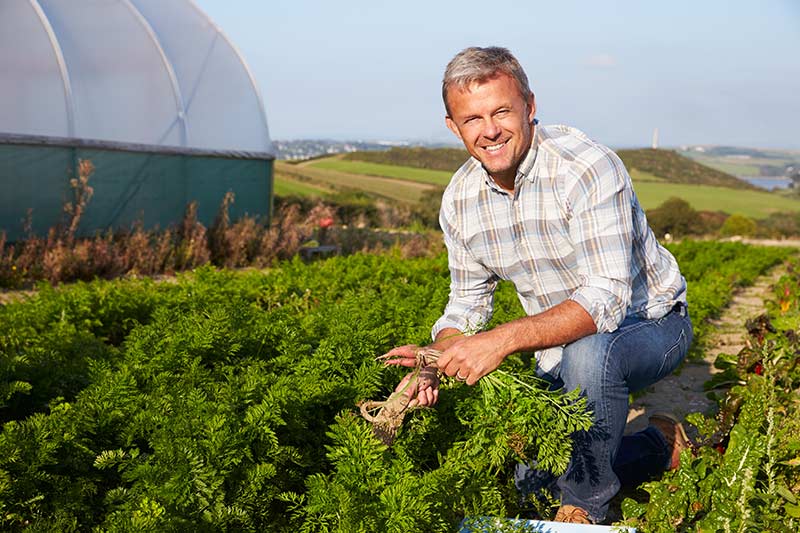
(491, 129)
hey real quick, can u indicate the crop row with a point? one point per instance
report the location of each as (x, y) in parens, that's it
(744, 475)
(227, 401)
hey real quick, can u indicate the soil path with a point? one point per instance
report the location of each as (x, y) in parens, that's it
(682, 392)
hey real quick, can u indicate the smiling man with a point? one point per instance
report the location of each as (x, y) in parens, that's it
(555, 213)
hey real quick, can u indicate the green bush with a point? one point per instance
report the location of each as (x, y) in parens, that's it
(675, 217)
(738, 225)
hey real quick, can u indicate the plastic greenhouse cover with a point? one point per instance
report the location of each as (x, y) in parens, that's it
(130, 71)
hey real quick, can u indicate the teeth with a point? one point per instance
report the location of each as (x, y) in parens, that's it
(495, 147)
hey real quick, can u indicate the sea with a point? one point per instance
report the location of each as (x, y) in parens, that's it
(768, 183)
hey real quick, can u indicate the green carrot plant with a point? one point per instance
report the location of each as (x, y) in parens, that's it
(227, 401)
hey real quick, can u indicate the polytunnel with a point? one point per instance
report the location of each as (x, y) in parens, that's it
(151, 92)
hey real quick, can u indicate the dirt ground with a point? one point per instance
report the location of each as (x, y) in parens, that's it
(682, 392)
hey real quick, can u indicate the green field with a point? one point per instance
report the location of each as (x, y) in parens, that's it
(229, 400)
(285, 186)
(639, 177)
(409, 184)
(732, 167)
(754, 204)
(389, 188)
(749, 162)
(421, 175)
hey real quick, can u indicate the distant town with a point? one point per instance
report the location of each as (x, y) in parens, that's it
(300, 149)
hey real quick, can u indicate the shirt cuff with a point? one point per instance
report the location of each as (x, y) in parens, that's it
(456, 322)
(603, 306)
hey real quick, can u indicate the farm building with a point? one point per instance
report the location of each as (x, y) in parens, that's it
(151, 92)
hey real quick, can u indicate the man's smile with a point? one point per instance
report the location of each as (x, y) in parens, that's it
(495, 147)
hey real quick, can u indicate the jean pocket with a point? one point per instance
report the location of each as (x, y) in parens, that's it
(674, 355)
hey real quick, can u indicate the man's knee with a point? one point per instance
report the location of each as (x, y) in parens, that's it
(584, 362)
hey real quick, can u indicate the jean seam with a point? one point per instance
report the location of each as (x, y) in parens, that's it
(675, 346)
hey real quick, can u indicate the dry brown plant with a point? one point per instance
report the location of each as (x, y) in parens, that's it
(218, 237)
(61, 256)
(82, 192)
(243, 242)
(192, 247)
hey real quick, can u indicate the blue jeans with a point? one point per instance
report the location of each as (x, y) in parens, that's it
(607, 367)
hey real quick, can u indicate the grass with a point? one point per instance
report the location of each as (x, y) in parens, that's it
(746, 166)
(754, 204)
(421, 175)
(287, 186)
(390, 188)
(445, 159)
(737, 169)
(639, 176)
(675, 168)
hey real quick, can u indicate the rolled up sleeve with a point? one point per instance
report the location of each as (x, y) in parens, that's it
(472, 286)
(601, 227)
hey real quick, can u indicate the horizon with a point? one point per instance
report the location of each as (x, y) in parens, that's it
(410, 142)
(714, 73)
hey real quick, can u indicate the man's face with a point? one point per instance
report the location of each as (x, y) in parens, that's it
(493, 120)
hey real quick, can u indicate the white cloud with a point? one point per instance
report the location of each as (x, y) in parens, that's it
(602, 60)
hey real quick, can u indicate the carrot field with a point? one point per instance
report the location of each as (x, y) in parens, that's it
(228, 401)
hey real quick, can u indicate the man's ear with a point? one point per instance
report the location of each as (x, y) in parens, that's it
(452, 127)
(531, 108)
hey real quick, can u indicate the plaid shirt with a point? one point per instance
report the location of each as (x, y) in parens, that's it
(572, 229)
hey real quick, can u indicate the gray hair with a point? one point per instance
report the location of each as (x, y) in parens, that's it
(476, 64)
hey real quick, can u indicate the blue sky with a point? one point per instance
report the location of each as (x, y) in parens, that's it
(702, 72)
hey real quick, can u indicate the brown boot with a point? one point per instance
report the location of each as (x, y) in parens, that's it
(572, 515)
(675, 435)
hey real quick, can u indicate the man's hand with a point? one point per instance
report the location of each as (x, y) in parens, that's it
(467, 359)
(426, 388)
(470, 358)
(473, 357)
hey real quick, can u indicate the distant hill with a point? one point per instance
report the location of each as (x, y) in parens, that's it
(415, 175)
(665, 164)
(448, 159)
(746, 162)
(675, 168)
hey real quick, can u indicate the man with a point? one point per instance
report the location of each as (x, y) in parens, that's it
(555, 213)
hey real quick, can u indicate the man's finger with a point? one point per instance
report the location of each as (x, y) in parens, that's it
(426, 397)
(402, 361)
(409, 350)
(403, 386)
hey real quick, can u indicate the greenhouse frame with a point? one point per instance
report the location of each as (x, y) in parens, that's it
(151, 92)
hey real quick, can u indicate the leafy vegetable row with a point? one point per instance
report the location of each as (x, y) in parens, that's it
(227, 400)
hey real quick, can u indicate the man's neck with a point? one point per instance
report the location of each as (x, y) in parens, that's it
(506, 180)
